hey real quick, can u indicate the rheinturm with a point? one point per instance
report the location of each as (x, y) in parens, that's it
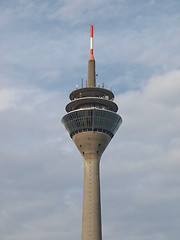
(91, 122)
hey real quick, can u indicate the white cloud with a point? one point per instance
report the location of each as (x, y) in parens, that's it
(7, 98)
(165, 89)
(34, 148)
(143, 192)
(155, 111)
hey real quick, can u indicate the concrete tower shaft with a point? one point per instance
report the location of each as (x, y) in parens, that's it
(91, 145)
(91, 122)
(91, 74)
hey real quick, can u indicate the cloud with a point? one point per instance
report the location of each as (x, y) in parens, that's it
(74, 13)
(33, 156)
(7, 98)
(155, 107)
(145, 164)
(165, 89)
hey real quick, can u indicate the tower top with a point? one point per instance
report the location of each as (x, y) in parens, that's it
(91, 43)
(91, 63)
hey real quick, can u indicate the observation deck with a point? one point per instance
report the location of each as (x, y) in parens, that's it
(91, 119)
(91, 92)
(91, 109)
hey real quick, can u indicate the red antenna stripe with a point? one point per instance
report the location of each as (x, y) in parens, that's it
(91, 31)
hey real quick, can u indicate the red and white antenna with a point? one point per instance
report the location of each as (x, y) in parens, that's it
(91, 43)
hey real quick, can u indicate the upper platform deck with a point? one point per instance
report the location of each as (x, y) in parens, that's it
(91, 92)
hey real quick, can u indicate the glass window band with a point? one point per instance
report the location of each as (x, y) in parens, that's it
(92, 120)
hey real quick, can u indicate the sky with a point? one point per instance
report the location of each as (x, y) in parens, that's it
(44, 48)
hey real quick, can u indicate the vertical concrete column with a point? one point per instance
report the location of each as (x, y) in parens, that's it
(91, 145)
(91, 222)
(91, 74)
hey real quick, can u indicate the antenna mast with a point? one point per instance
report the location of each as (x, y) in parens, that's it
(91, 63)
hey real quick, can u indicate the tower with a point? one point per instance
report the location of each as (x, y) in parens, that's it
(91, 122)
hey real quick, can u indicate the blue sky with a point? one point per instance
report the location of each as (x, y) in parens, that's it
(44, 49)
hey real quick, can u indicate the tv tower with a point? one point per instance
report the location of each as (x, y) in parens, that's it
(91, 122)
